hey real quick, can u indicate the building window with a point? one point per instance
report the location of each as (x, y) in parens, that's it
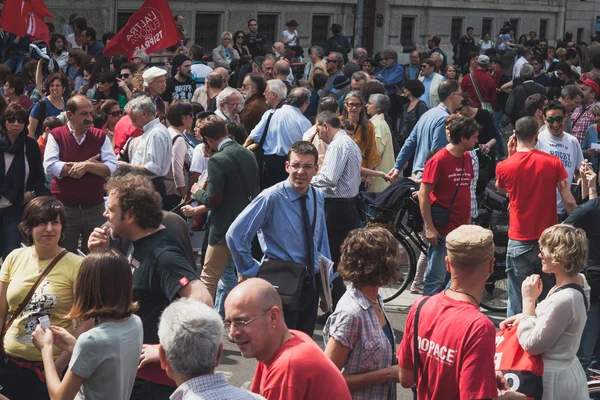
(514, 25)
(122, 18)
(486, 27)
(407, 39)
(579, 35)
(267, 25)
(320, 30)
(456, 30)
(207, 31)
(543, 33)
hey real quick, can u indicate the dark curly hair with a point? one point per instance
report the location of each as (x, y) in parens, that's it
(369, 257)
(58, 76)
(137, 195)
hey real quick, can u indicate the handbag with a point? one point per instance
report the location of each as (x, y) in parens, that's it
(441, 215)
(522, 371)
(416, 356)
(29, 295)
(287, 277)
(486, 106)
(259, 153)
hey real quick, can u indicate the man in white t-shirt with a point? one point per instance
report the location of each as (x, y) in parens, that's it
(554, 140)
(75, 39)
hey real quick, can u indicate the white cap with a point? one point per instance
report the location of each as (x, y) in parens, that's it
(152, 73)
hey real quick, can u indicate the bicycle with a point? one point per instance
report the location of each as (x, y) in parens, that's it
(594, 383)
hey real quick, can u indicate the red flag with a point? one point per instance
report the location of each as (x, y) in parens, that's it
(26, 17)
(151, 28)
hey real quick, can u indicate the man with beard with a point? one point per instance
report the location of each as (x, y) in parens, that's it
(228, 105)
(255, 105)
(180, 86)
(255, 41)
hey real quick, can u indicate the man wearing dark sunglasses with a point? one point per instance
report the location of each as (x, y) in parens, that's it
(126, 74)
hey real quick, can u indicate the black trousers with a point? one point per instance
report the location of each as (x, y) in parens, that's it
(273, 171)
(341, 216)
(172, 201)
(20, 383)
(304, 317)
(159, 186)
(146, 390)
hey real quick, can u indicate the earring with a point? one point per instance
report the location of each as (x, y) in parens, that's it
(62, 237)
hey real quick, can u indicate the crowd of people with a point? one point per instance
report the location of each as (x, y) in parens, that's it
(108, 163)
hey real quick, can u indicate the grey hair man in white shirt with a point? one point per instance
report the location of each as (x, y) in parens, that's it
(152, 156)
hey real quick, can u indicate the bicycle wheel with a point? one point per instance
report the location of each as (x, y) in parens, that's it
(594, 388)
(495, 295)
(407, 267)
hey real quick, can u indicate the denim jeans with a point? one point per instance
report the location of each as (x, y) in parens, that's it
(500, 149)
(437, 276)
(15, 62)
(521, 261)
(589, 348)
(10, 236)
(226, 284)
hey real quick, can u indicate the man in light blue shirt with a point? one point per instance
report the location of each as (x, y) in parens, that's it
(285, 128)
(276, 215)
(430, 131)
(392, 73)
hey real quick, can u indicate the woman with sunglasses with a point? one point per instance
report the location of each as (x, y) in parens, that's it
(21, 175)
(238, 44)
(112, 110)
(108, 88)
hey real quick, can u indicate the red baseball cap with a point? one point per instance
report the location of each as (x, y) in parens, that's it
(592, 84)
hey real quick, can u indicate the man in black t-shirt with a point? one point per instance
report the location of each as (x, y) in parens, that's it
(464, 46)
(161, 269)
(180, 86)
(255, 41)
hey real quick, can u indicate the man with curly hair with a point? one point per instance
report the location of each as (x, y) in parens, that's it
(161, 270)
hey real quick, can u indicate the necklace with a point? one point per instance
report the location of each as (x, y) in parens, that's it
(370, 299)
(465, 293)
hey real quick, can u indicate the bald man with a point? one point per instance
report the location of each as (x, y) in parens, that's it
(224, 74)
(290, 364)
(283, 72)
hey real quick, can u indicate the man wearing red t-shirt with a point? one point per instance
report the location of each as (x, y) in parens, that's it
(456, 342)
(290, 365)
(446, 186)
(532, 207)
(485, 84)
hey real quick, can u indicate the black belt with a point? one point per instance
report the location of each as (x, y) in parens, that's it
(339, 199)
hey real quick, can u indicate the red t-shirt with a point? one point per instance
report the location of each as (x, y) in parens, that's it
(299, 370)
(124, 129)
(530, 179)
(456, 347)
(444, 171)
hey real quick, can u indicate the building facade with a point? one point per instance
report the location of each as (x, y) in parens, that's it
(402, 25)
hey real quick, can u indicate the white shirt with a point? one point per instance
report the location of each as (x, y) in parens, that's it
(518, 64)
(199, 72)
(286, 128)
(289, 35)
(199, 162)
(568, 150)
(340, 172)
(71, 39)
(177, 176)
(154, 150)
(53, 165)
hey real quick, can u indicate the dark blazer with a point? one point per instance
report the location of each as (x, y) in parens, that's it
(229, 186)
(515, 105)
(36, 180)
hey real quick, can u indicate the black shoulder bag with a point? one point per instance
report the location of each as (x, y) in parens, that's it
(441, 215)
(259, 153)
(416, 347)
(287, 277)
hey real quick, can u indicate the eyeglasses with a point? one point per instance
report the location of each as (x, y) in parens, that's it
(226, 38)
(240, 324)
(328, 60)
(246, 85)
(103, 82)
(124, 76)
(116, 114)
(424, 66)
(239, 37)
(306, 167)
(551, 120)
(354, 105)
(12, 120)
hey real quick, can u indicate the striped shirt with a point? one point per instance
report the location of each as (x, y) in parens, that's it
(211, 387)
(340, 173)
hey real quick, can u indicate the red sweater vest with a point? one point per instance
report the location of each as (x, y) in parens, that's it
(89, 189)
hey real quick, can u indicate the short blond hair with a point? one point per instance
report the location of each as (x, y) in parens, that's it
(566, 246)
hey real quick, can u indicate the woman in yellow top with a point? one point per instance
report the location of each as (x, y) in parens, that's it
(376, 108)
(42, 226)
(364, 131)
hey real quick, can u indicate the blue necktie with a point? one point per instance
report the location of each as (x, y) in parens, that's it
(308, 234)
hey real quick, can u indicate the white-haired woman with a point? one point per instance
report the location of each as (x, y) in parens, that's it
(553, 328)
(377, 106)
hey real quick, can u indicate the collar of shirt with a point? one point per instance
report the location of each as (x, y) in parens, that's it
(75, 136)
(360, 298)
(151, 125)
(291, 192)
(199, 384)
(220, 114)
(443, 107)
(338, 135)
(222, 143)
(428, 79)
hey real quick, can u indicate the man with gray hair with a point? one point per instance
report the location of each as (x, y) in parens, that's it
(190, 350)
(153, 154)
(334, 64)
(515, 105)
(141, 60)
(277, 131)
(224, 53)
(314, 66)
(355, 65)
(358, 81)
(229, 103)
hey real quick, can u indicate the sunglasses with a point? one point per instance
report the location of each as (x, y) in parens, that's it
(124, 76)
(103, 82)
(328, 60)
(12, 120)
(551, 120)
(239, 37)
(116, 114)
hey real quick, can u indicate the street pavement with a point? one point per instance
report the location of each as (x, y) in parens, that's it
(239, 370)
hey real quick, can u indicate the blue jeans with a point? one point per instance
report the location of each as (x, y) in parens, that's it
(500, 150)
(589, 348)
(437, 276)
(521, 261)
(15, 62)
(10, 238)
(226, 284)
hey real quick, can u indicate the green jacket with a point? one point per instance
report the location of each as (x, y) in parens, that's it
(225, 193)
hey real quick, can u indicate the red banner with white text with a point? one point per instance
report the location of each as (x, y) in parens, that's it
(26, 17)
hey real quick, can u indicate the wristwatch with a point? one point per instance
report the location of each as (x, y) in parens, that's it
(33, 195)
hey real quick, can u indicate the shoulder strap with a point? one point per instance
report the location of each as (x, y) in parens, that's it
(476, 88)
(175, 139)
(40, 126)
(416, 347)
(241, 175)
(29, 295)
(576, 287)
(264, 135)
(462, 171)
